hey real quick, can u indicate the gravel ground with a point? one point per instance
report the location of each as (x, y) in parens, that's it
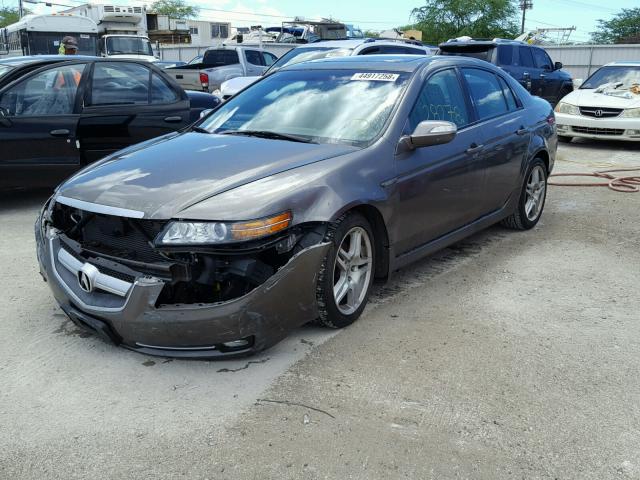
(509, 355)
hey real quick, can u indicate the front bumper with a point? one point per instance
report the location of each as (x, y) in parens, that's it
(616, 128)
(260, 318)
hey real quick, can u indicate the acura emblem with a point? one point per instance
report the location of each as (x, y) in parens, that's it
(87, 276)
(598, 113)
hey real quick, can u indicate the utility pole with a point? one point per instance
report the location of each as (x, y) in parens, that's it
(20, 9)
(524, 6)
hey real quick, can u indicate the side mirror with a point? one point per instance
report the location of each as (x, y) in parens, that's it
(428, 133)
(205, 112)
(557, 65)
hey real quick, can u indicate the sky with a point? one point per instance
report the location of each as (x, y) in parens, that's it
(378, 14)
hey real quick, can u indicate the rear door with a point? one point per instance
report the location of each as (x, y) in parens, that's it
(128, 103)
(438, 186)
(528, 72)
(38, 126)
(255, 62)
(502, 121)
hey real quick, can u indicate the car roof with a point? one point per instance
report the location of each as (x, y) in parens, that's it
(483, 42)
(355, 43)
(628, 63)
(17, 61)
(388, 63)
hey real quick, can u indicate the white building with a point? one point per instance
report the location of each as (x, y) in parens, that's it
(208, 33)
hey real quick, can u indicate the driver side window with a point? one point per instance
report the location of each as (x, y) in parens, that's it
(441, 98)
(52, 92)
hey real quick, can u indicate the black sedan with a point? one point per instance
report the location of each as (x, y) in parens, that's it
(60, 113)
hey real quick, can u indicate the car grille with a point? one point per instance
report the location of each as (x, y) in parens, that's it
(101, 268)
(119, 237)
(598, 112)
(599, 131)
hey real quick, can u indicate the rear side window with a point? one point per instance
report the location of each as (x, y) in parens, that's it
(541, 58)
(120, 84)
(254, 57)
(509, 96)
(505, 54)
(525, 59)
(220, 58)
(441, 98)
(160, 91)
(486, 92)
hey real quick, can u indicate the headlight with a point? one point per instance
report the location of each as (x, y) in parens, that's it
(567, 108)
(206, 233)
(631, 113)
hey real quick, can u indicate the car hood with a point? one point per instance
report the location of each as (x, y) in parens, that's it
(172, 173)
(589, 98)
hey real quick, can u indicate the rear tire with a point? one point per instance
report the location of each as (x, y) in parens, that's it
(346, 273)
(532, 198)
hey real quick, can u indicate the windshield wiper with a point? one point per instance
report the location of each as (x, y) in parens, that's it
(200, 130)
(268, 134)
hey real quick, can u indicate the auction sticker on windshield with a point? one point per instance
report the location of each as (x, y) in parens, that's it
(377, 77)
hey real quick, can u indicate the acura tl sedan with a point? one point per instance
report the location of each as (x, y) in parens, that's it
(284, 204)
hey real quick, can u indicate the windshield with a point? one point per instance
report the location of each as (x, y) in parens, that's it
(46, 43)
(341, 106)
(298, 55)
(627, 75)
(128, 46)
(5, 69)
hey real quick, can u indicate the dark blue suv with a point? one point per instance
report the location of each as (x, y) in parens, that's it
(528, 64)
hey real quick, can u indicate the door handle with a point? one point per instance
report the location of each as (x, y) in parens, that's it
(474, 148)
(522, 131)
(175, 119)
(63, 132)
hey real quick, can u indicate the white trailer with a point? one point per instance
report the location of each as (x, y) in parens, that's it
(122, 30)
(43, 34)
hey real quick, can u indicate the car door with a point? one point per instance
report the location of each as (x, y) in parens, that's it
(438, 186)
(528, 73)
(255, 62)
(505, 135)
(38, 126)
(127, 103)
(550, 81)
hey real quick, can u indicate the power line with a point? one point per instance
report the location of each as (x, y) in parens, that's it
(587, 4)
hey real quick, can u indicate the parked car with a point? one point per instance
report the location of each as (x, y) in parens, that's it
(528, 64)
(59, 113)
(220, 64)
(219, 240)
(332, 48)
(606, 106)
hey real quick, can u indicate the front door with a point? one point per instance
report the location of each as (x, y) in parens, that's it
(127, 103)
(550, 81)
(438, 186)
(38, 127)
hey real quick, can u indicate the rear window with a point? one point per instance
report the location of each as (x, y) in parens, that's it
(220, 58)
(482, 52)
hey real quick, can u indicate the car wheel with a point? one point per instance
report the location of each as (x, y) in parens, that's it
(563, 139)
(532, 198)
(347, 271)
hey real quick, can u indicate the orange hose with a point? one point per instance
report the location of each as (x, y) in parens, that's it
(625, 184)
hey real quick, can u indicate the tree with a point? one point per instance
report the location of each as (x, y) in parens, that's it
(371, 34)
(440, 20)
(624, 27)
(8, 15)
(175, 9)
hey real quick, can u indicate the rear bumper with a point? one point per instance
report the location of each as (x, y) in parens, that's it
(260, 318)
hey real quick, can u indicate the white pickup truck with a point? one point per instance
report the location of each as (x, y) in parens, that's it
(221, 64)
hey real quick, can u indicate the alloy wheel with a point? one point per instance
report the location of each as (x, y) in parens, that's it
(535, 193)
(352, 270)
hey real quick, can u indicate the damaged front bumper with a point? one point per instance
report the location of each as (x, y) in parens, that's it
(127, 314)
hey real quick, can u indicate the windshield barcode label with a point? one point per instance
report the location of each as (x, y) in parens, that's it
(376, 77)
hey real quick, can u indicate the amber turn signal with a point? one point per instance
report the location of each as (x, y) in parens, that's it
(262, 227)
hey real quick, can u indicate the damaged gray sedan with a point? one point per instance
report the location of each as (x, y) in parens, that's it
(283, 205)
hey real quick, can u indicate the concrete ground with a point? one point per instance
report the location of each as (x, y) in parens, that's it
(509, 355)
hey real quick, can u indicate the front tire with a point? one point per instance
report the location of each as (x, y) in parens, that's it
(532, 198)
(347, 272)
